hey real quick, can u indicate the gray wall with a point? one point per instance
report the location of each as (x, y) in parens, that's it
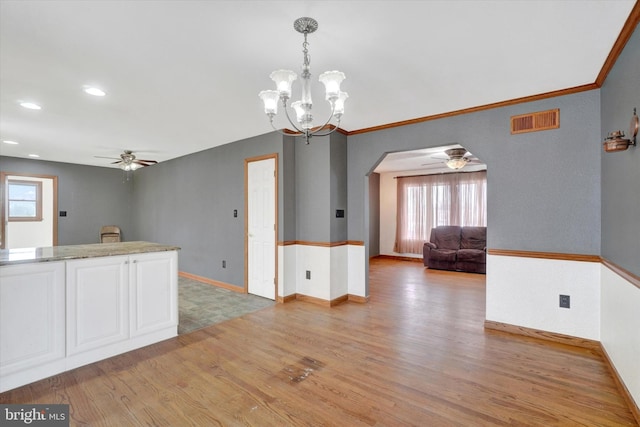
(92, 196)
(189, 202)
(621, 170)
(543, 187)
(338, 187)
(312, 191)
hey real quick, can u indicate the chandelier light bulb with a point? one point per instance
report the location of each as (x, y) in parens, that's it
(284, 79)
(270, 100)
(331, 81)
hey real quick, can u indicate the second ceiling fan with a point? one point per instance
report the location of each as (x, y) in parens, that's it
(129, 162)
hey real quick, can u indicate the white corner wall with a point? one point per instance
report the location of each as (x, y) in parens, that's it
(357, 271)
(335, 271)
(620, 328)
(525, 292)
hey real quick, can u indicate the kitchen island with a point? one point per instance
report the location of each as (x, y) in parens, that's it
(66, 306)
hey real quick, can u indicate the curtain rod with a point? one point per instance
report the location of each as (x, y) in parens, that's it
(437, 173)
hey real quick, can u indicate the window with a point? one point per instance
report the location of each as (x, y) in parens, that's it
(25, 200)
(429, 201)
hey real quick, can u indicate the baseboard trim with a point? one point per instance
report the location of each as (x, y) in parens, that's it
(286, 299)
(323, 302)
(398, 258)
(212, 282)
(545, 335)
(577, 342)
(358, 299)
(633, 406)
(321, 244)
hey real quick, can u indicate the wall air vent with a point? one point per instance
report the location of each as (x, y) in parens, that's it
(533, 122)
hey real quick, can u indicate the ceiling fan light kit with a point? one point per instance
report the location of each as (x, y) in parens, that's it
(616, 141)
(457, 159)
(284, 80)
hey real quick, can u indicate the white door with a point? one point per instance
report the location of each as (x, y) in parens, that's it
(261, 224)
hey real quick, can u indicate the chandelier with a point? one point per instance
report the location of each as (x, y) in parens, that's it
(284, 80)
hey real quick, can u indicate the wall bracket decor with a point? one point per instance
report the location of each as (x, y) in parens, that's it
(616, 141)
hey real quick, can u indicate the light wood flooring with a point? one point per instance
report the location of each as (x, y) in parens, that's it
(416, 354)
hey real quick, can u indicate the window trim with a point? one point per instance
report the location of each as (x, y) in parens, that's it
(38, 201)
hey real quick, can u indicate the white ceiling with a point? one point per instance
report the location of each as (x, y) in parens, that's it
(183, 76)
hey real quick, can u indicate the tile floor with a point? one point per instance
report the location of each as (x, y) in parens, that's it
(201, 304)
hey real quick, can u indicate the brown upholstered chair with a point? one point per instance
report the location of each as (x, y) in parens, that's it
(109, 234)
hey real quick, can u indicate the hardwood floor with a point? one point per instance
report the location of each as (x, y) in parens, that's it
(416, 354)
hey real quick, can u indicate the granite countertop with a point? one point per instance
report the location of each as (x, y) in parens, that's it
(62, 253)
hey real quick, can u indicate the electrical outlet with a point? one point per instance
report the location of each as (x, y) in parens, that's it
(308, 275)
(565, 301)
(224, 264)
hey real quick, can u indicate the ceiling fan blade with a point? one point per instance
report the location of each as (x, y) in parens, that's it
(153, 162)
(144, 162)
(103, 157)
(115, 163)
(432, 165)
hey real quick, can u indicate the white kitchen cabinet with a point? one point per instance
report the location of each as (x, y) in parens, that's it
(153, 288)
(97, 303)
(68, 306)
(32, 321)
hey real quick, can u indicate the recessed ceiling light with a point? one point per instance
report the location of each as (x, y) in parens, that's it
(11, 142)
(92, 90)
(30, 105)
(34, 155)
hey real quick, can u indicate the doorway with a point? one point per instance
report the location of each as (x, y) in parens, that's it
(35, 200)
(261, 225)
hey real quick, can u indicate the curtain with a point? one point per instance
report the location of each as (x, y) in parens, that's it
(429, 201)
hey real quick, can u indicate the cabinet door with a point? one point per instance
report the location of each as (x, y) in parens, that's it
(154, 292)
(97, 303)
(31, 315)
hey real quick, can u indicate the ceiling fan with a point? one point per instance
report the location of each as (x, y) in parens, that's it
(129, 162)
(457, 158)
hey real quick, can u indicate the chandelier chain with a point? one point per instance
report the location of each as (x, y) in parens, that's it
(305, 51)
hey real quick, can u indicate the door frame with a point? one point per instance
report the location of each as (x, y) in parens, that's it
(246, 218)
(3, 194)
